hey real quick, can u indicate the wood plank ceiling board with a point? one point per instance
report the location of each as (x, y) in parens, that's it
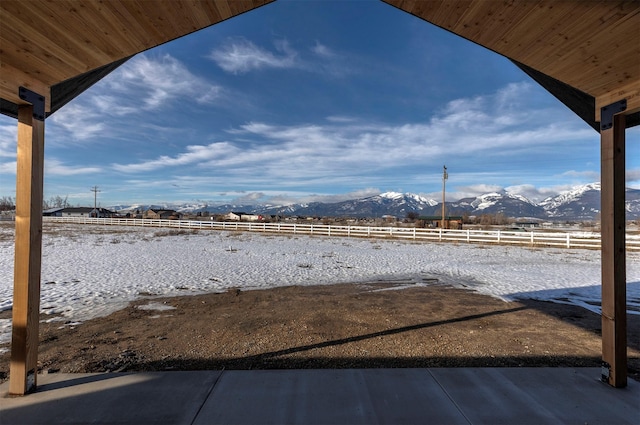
(74, 43)
(591, 46)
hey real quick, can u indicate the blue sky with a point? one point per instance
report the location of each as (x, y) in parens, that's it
(313, 101)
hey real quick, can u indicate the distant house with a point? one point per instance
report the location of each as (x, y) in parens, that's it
(52, 212)
(78, 212)
(242, 216)
(234, 216)
(450, 222)
(529, 224)
(161, 214)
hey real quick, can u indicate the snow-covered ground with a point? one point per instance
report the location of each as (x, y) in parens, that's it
(91, 271)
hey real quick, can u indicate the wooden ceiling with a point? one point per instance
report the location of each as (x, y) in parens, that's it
(590, 45)
(586, 52)
(44, 43)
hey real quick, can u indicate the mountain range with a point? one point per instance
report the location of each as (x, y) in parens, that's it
(580, 203)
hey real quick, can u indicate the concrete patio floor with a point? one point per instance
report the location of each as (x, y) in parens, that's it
(328, 396)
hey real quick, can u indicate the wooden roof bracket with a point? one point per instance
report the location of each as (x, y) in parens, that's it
(37, 100)
(607, 112)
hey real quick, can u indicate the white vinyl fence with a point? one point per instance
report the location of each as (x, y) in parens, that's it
(530, 238)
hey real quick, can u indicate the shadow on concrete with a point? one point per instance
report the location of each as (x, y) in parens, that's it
(80, 380)
(139, 398)
(355, 396)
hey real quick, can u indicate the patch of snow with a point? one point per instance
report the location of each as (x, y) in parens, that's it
(156, 306)
(568, 196)
(391, 195)
(92, 271)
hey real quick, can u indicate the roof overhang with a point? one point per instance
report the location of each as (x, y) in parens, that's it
(586, 53)
(60, 48)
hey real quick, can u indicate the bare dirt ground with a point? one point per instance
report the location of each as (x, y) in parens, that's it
(336, 326)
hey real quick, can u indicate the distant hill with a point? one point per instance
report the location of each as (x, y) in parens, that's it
(579, 203)
(509, 204)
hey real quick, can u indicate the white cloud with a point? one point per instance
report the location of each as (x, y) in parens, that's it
(338, 118)
(81, 123)
(633, 175)
(287, 198)
(8, 137)
(159, 80)
(250, 198)
(340, 150)
(194, 155)
(480, 188)
(241, 55)
(584, 176)
(54, 167)
(465, 128)
(529, 191)
(536, 194)
(458, 192)
(8, 167)
(143, 84)
(322, 50)
(356, 194)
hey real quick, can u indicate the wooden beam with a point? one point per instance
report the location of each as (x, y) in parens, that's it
(28, 250)
(614, 309)
(630, 92)
(12, 78)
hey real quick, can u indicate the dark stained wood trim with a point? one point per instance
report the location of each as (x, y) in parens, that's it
(578, 101)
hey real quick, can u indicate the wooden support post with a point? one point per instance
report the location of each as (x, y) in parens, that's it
(614, 311)
(28, 249)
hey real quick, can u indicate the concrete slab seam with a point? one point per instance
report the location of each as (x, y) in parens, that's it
(204, 401)
(449, 397)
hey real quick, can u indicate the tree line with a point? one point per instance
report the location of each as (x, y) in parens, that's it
(8, 203)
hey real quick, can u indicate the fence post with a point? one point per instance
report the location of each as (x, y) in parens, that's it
(498, 236)
(532, 239)
(468, 236)
(440, 235)
(414, 233)
(568, 240)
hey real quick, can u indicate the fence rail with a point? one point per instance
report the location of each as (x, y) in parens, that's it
(558, 239)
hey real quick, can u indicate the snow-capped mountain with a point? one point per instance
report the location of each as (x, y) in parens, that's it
(580, 203)
(509, 204)
(583, 203)
(388, 203)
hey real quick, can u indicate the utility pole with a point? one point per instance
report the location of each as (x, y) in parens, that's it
(445, 176)
(95, 191)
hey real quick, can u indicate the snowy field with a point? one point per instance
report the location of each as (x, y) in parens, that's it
(91, 271)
